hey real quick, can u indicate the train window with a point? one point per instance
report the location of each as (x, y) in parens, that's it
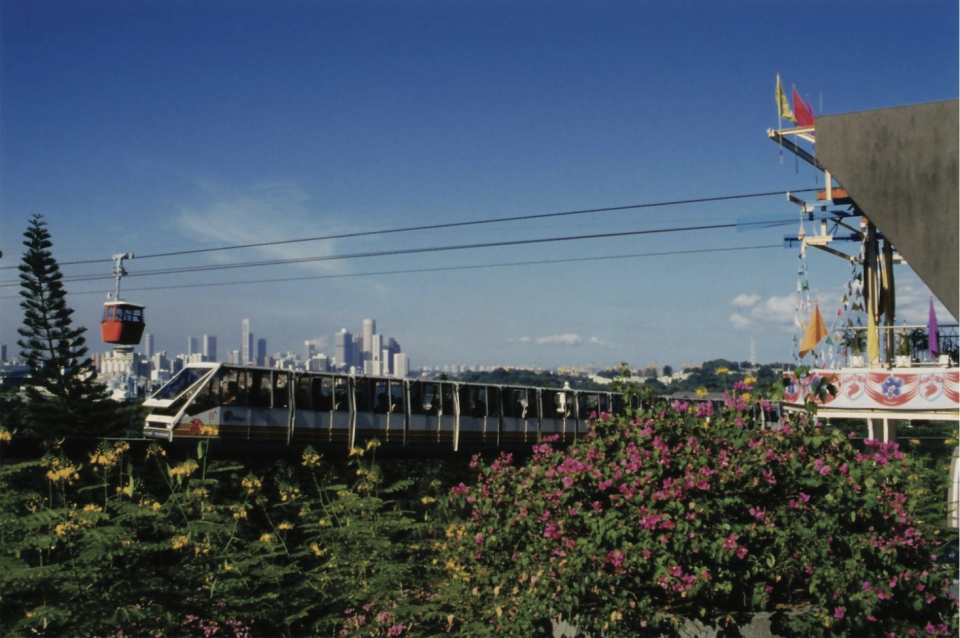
(206, 399)
(551, 404)
(186, 378)
(515, 403)
(322, 394)
(473, 401)
(534, 399)
(617, 403)
(396, 397)
(430, 404)
(446, 400)
(604, 403)
(232, 391)
(589, 404)
(259, 393)
(381, 397)
(341, 395)
(281, 390)
(304, 401)
(361, 394)
(493, 401)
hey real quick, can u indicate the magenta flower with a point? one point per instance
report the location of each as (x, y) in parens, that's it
(838, 612)
(741, 552)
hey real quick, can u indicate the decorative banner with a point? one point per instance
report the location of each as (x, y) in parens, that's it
(934, 389)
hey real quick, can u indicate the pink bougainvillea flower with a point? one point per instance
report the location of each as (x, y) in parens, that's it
(838, 612)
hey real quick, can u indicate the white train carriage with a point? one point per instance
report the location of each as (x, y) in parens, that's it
(262, 404)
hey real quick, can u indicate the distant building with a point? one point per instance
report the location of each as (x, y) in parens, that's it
(261, 352)
(193, 346)
(401, 365)
(148, 346)
(343, 348)
(234, 357)
(309, 350)
(246, 342)
(210, 347)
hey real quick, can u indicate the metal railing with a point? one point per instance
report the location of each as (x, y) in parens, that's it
(901, 346)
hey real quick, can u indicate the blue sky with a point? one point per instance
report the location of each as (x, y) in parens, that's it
(159, 127)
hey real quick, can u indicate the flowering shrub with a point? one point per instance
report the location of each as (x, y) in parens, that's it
(676, 513)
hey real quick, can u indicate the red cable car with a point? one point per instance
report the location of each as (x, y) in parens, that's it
(122, 323)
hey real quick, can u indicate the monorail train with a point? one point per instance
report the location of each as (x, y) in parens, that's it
(264, 404)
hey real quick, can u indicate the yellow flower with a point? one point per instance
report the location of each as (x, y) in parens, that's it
(285, 525)
(356, 451)
(5, 436)
(373, 443)
(310, 457)
(266, 538)
(209, 430)
(746, 396)
(184, 469)
(701, 392)
(722, 370)
(426, 500)
(950, 442)
(179, 542)
(251, 484)
(289, 492)
(914, 442)
(156, 506)
(155, 450)
(238, 512)
(316, 549)
(90, 507)
(750, 380)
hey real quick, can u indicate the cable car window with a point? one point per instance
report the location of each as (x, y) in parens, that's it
(361, 393)
(446, 400)
(322, 394)
(381, 397)
(396, 397)
(108, 313)
(232, 389)
(514, 403)
(260, 389)
(604, 403)
(281, 390)
(186, 378)
(341, 395)
(493, 401)
(303, 399)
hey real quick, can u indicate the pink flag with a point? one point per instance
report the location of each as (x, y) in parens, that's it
(804, 115)
(933, 345)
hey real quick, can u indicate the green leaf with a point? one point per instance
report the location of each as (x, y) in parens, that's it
(771, 560)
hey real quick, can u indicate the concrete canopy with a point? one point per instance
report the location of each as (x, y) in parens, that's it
(900, 167)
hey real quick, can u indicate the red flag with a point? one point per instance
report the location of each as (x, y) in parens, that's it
(804, 115)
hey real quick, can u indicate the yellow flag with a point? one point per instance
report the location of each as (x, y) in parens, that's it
(815, 333)
(873, 342)
(782, 104)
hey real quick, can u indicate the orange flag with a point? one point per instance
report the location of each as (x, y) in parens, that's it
(815, 333)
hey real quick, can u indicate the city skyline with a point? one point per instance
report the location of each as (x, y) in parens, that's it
(165, 130)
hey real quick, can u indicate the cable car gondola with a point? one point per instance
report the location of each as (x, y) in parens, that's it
(122, 322)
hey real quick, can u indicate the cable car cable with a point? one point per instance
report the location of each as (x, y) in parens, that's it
(437, 269)
(587, 211)
(410, 251)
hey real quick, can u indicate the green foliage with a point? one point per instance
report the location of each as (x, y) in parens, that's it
(679, 514)
(530, 378)
(63, 396)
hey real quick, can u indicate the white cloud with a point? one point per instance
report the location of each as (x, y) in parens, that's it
(775, 309)
(525, 340)
(739, 321)
(597, 341)
(745, 299)
(262, 213)
(566, 339)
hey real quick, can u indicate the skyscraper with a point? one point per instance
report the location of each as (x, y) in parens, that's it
(261, 352)
(193, 346)
(343, 348)
(147, 346)
(401, 365)
(246, 343)
(309, 350)
(210, 347)
(369, 329)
